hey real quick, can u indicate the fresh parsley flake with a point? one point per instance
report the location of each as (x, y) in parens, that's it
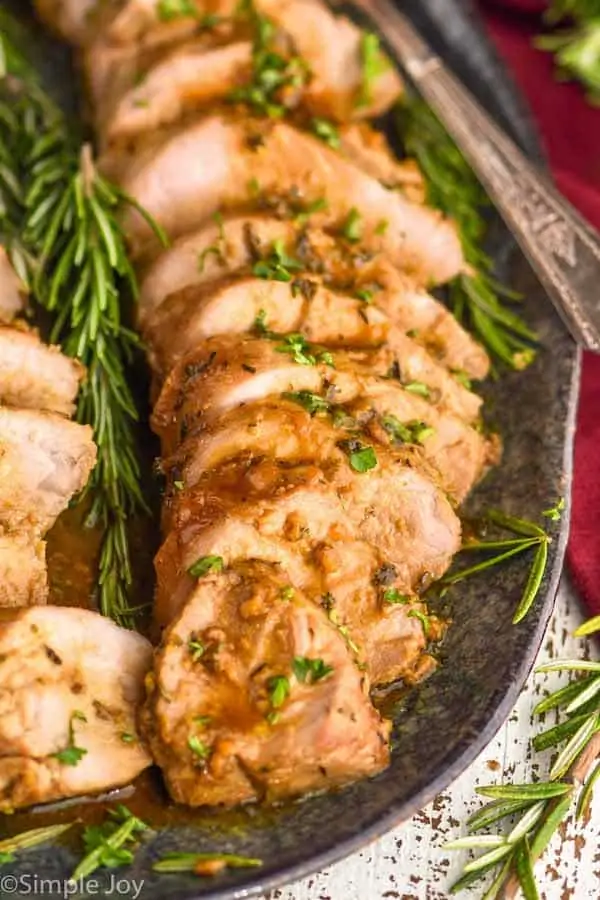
(128, 738)
(309, 671)
(406, 433)
(277, 265)
(327, 131)
(72, 754)
(278, 687)
(287, 593)
(393, 595)
(417, 387)
(196, 649)
(374, 63)
(168, 10)
(361, 457)
(352, 229)
(199, 748)
(206, 564)
(423, 619)
(555, 512)
(312, 403)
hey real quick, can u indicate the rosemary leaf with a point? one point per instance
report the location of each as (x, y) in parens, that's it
(493, 856)
(527, 822)
(558, 733)
(33, 838)
(188, 862)
(498, 882)
(569, 754)
(524, 870)
(555, 815)
(569, 665)
(560, 697)
(494, 811)
(533, 583)
(515, 524)
(588, 693)
(589, 627)
(586, 795)
(543, 790)
(473, 842)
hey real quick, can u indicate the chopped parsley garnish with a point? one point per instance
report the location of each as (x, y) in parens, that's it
(128, 738)
(278, 265)
(361, 457)
(365, 295)
(196, 648)
(393, 595)
(462, 377)
(277, 81)
(211, 20)
(302, 352)
(352, 229)
(374, 63)
(178, 485)
(287, 593)
(72, 754)
(417, 387)
(6, 857)
(382, 227)
(278, 687)
(312, 403)
(110, 844)
(202, 720)
(175, 9)
(309, 671)
(198, 747)
(206, 564)
(406, 433)
(327, 131)
(319, 205)
(423, 619)
(260, 322)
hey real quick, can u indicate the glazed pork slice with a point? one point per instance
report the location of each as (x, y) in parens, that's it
(227, 372)
(283, 511)
(255, 695)
(70, 684)
(44, 461)
(184, 177)
(36, 376)
(305, 305)
(229, 249)
(23, 578)
(11, 290)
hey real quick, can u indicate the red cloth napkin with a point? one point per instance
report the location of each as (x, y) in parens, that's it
(570, 129)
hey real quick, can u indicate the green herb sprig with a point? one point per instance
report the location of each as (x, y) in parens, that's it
(528, 537)
(576, 47)
(477, 300)
(61, 221)
(9, 847)
(536, 810)
(110, 844)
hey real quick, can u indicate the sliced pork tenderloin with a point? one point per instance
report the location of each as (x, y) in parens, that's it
(209, 164)
(36, 376)
(23, 577)
(255, 695)
(44, 461)
(70, 684)
(226, 372)
(229, 249)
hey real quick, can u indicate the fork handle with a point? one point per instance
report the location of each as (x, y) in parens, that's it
(561, 247)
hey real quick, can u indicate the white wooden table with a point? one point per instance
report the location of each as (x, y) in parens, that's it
(410, 864)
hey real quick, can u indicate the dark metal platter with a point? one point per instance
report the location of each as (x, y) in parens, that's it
(441, 727)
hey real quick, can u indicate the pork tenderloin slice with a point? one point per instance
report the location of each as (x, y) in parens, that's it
(254, 507)
(223, 250)
(255, 695)
(330, 45)
(209, 164)
(227, 372)
(305, 305)
(36, 376)
(23, 577)
(12, 291)
(68, 678)
(44, 461)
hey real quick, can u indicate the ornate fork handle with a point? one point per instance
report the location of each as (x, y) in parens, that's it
(562, 248)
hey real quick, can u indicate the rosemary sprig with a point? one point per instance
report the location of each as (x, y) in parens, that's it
(540, 807)
(60, 218)
(28, 839)
(478, 300)
(527, 537)
(576, 47)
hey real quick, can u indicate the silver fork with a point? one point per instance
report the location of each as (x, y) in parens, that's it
(561, 247)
